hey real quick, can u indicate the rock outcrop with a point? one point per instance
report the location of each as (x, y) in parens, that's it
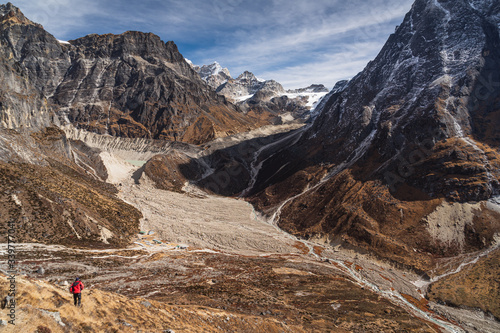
(23, 102)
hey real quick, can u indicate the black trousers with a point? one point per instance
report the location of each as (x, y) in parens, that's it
(77, 298)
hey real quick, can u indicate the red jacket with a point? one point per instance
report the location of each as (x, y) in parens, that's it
(76, 287)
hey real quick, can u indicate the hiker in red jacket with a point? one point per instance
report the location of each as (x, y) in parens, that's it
(76, 289)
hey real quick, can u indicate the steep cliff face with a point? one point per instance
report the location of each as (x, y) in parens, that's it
(26, 79)
(134, 85)
(437, 78)
(51, 187)
(416, 130)
(129, 85)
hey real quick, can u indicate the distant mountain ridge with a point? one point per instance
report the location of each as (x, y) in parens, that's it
(252, 93)
(214, 75)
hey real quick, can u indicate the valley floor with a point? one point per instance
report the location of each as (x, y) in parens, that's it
(213, 263)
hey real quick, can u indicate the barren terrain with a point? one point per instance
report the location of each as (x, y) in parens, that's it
(214, 257)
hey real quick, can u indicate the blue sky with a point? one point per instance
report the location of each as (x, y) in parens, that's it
(295, 42)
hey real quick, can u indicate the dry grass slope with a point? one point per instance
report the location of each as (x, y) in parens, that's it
(108, 312)
(477, 286)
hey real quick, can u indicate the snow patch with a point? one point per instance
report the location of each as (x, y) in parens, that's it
(243, 98)
(446, 12)
(312, 98)
(494, 204)
(444, 79)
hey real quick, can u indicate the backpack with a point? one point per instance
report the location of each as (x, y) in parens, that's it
(72, 288)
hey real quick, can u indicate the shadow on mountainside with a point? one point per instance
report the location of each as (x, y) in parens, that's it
(234, 168)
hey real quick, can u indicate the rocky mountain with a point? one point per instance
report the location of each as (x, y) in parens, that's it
(246, 85)
(129, 85)
(403, 159)
(22, 105)
(400, 164)
(51, 187)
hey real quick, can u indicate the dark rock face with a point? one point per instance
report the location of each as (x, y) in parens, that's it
(426, 85)
(135, 85)
(24, 85)
(417, 127)
(130, 85)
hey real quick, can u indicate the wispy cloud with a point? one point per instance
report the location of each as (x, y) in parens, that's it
(268, 37)
(299, 42)
(327, 68)
(325, 47)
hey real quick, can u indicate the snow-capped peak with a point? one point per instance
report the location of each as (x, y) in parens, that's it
(214, 69)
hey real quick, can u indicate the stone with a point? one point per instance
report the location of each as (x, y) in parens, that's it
(54, 314)
(146, 304)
